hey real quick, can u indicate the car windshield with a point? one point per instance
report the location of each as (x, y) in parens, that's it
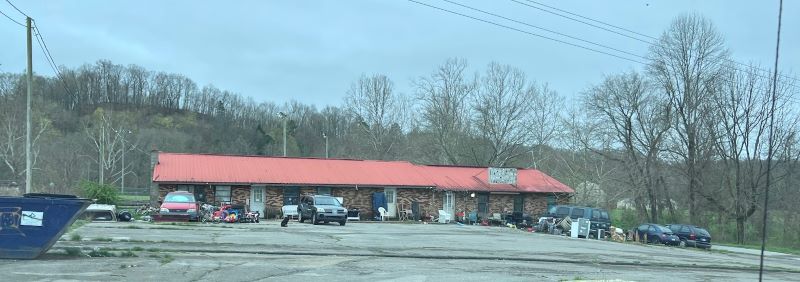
(327, 201)
(179, 198)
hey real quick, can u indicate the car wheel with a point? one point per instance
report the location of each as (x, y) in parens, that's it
(300, 217)
(314, 219)
(682, 243)
(342, 222)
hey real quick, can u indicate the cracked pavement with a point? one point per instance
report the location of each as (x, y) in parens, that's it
(374, 252)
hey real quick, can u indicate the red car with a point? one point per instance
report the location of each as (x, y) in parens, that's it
(179, 204)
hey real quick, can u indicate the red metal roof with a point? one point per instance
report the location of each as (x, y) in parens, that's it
(202, 168)
(457, 178)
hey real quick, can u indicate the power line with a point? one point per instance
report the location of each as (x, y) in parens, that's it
(49, 58)
(724, 79)
(525, 32)
(13, 20)
(793, 79)
(545, 29)
(18, 10)
(594, 20)
(584, 22)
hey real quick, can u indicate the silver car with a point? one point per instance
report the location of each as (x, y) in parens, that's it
(321, 209)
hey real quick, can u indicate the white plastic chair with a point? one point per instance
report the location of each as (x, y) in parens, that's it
(382, 211)
(444, 217)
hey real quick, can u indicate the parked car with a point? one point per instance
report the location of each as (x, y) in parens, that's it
(321, 209)
(691, 235)
(654, 233)
(598, 217)
(179, 204)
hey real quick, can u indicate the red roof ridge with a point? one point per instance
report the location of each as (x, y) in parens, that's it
(283, 157)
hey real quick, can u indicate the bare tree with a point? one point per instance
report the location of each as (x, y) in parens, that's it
(639, 119)
(445, 96)
(371, 99)
(502, 107)
(742, 114)
(687, 62)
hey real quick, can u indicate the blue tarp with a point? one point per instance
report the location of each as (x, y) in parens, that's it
(378, 200)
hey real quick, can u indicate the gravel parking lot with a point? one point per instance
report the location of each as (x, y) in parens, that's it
(372, 252)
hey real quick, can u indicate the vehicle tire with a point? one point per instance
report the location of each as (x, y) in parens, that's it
(682, 244)
(300, 217)
(314, 219)
(341, 223)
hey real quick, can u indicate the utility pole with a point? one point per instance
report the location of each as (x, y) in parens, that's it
(283, 116)
(28, 110)
(326, 144)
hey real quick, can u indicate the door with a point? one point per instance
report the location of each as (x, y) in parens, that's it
(257, 199)
(519, 203)
(391, 201)
(449, 203)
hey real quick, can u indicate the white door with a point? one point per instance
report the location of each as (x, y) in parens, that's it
(391, 201)
(449, 203)
(257, 199)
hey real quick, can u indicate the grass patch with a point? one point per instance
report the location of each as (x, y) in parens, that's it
(137, 249)
(73, 251)
(165, 259)
(77, 224)
(154, 250)
(132, 227)
(128, 254)
(75, 237)
(134, 198)
(102, 239)
(101, 253)
(776, 249)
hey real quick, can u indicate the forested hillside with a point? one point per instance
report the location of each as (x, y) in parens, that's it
(685, 139)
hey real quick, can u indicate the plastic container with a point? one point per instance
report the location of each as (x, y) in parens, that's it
(31, 224)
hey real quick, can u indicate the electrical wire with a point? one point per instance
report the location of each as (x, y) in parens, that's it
(526, 32)
(49, 57)
(13, 20)
(18, 10)
(793, 79)
(545, 29)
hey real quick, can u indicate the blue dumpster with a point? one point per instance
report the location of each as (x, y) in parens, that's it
(31, 224)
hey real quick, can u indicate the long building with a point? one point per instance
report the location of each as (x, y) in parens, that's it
(268, 183)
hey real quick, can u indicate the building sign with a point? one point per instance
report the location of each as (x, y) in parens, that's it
(502, 175)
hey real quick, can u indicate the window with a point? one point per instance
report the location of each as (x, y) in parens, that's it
(483, 203)
(652, 229)
(595, 214)
(551, 201)
(290, 195)
(643, 228)
(324, 191)
(258, 194)
(685, 229)
(187, 188)
(562, 212)
(577, 213)
(604, 215)
(222, 194)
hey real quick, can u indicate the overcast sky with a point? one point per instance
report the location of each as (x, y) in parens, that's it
(311, 51)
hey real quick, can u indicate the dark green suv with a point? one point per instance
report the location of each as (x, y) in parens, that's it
(598, 217)
(321, 209)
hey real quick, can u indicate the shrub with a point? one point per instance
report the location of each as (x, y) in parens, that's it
(104, 194)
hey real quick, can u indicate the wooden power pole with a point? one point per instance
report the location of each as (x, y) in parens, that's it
(28, 114)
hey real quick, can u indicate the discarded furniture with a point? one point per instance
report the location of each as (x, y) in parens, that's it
(382, 212)
(445, 217)
(354, 214)
(289, 211)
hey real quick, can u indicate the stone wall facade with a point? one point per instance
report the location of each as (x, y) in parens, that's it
(430, 200)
